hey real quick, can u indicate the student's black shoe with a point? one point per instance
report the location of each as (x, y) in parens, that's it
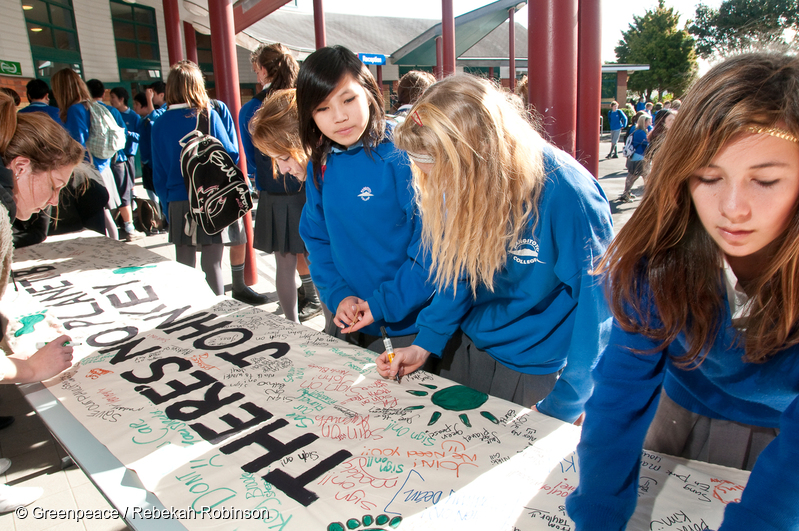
(248, 296)
(309, 309)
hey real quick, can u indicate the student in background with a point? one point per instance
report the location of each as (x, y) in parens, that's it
(703, 358)
(119, 100)
(145, 148)
(186, 97)
(410, 87)
(360, 223)
(281, 196)
(617, 121)
(513, 227)
(73, 98)
(123, 173)
(38, 94)
(635, 164)
(38, 157)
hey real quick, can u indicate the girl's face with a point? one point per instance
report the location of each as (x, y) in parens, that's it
(668, 120)
(747, 195)
(261, 74)
(34, 191)
(343, 115)
(286, 164)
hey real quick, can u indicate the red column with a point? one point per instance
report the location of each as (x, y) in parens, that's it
(589, 84)
(319, 24)
(226, 76)
(191, 42)
(512, 49)
(438, 71)
(380, 77)
(491, 72)
(552, 67)
(174, 45)
(448, 33)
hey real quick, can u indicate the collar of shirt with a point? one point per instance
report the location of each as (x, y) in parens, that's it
(740, 302)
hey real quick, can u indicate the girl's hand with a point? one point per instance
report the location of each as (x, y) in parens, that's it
(365, 317)
(45, 363)
(348, 314)
(406, 360)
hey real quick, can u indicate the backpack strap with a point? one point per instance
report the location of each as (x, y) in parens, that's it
(204, 121)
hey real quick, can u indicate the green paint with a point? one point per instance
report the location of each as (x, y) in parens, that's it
(465, 419)
(382, 519)
(367, 519)
(395, 522)
(418, 393)
(434, 418)
(413, 408)
(335, 526)
(131, 269)
(29, 322)
(429, 386)
(490, 417)
(353, 523)
(459, 398)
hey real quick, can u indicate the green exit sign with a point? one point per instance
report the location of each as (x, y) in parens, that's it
(10, 68)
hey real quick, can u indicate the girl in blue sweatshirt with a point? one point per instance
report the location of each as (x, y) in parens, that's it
(703, 358)
(359, 223)
(186, 97)
(513, 227)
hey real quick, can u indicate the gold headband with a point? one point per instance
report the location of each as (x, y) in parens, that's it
(773, 131)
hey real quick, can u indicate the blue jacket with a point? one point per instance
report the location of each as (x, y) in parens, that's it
(145, 135)
(640, 106)
(546, 312)
(168, 130)
(132, 121)
(362, 232)
(38, 106)
(617, 119)
(723, 387)
(78, 123)
(640, 142)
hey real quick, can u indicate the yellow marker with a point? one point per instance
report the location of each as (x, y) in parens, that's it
(389, 348)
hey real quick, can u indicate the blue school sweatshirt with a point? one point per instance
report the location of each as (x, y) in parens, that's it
(724, 387)
(145, 134)
(38, 106)
(362, 232)
(78, 123)
(547, 312)
(168, 130)
(132, 121)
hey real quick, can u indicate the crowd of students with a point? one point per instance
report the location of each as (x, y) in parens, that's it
(488, 256)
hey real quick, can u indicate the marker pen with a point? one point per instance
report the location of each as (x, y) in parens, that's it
(65, 344)
(389, 348)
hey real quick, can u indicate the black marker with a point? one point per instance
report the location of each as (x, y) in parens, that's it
(389, 349)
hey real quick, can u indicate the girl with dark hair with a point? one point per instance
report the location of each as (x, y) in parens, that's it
(186, 97)
(359, 224)
(281, 196)
(703, 358)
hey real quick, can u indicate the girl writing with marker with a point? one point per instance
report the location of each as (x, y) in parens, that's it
(513, 227)
(360, 223)
(702, 281)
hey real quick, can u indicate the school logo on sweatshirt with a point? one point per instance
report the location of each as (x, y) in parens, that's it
(366, 193)
(526, 252)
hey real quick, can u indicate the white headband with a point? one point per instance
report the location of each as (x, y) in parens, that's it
(421, 159)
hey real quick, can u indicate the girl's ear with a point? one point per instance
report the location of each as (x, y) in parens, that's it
(20, 166)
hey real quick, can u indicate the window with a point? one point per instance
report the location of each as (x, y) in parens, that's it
(135, 32)
(51, 24)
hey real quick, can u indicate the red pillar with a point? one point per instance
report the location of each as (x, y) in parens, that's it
(226, 76)
(512, 49)
(448, 33)
(380, 78)
(191, 42)
(491, 72)
(319, 24)
(174, 45)
(438, 71)
(552, 67)
(589, 84)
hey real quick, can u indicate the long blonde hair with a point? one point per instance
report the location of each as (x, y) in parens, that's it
(484, 186)
(275, 128)
(68, 89)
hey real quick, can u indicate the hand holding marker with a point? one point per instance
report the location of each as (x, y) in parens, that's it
(389, 349)
(64, 344)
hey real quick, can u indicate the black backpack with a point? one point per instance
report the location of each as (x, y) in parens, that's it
(218, 191)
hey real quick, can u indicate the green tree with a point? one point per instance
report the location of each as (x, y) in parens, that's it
(654, 39)
(742, 24)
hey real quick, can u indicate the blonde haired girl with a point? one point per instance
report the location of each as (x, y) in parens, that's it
(512, 227)
(702, 281)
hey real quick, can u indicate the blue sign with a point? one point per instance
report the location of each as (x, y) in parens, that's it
(372, 58)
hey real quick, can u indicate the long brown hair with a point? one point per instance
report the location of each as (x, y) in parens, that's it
(68, 89)
(483, 189)
(663, 275)
(280, 65)
(185, 84)
(275, 129)
(37, 137)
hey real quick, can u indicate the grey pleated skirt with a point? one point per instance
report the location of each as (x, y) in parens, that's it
(277, 223)
(233, 235)
(679, 432)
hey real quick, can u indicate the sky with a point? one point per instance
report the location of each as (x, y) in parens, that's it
(617, 15)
